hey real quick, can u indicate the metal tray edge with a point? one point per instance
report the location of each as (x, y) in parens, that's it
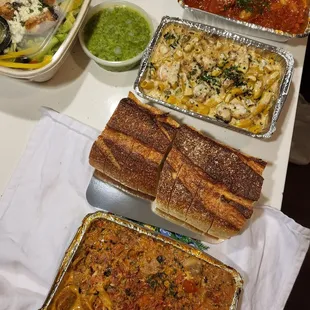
(278, 33)
(89, 218)
(284, 88)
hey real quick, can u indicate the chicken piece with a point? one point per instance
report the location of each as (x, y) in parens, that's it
(227, 83)
(200, 92)
(7, 11)
(238, 110)
(208, 63)
(39, 19)
(164, 49)
(169, 72)
(243, 60)
(223, 113)
(49, 2)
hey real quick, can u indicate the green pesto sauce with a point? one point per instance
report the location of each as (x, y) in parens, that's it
(117, 34)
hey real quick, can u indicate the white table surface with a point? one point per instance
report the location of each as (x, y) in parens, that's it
(86, 92)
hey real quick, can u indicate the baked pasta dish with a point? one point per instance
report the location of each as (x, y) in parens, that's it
(214, 77)
(284, 15)
(118, 268)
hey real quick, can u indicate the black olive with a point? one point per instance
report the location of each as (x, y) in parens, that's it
(6, 38)
(54, 14)
(23, 59)
(160, 259)
(16, 5)
(107, 273)
(128, 292)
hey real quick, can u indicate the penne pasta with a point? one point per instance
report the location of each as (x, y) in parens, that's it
(213, 76)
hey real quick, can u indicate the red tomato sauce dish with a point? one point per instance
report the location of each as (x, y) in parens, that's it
(118, 268)
(285, 15)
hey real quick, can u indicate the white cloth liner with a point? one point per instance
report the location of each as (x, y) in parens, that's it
(45, 203)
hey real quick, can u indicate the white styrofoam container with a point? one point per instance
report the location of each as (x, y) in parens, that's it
(47, 72)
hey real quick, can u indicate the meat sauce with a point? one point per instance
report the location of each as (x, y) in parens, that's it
(285, 15)
(121, 269)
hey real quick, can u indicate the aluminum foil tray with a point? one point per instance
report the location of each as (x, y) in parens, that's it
(286, 59)
(88, 220)
(245, 27)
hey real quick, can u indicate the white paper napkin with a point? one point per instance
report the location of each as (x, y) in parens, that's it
(45, 203)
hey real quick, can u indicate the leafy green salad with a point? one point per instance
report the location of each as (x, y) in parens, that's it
(31, 31)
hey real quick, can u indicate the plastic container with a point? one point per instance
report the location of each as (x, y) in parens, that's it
(115, 65)
(45, 40)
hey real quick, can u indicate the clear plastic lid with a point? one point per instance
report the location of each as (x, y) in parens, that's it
(31, 31)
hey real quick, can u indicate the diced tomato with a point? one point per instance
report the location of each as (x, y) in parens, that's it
(189, 286)
(144, 301)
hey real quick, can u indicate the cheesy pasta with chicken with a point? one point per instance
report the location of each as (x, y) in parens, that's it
(214, 77)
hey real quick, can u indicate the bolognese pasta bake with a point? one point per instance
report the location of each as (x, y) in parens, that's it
(116, 267)
(214, 76)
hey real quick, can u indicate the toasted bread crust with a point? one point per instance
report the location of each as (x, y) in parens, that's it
(133, 146)
(206, 186)
(138, 122)
(214, 188)
(222, 164)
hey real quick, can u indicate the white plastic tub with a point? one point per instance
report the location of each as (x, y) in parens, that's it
(123, 65)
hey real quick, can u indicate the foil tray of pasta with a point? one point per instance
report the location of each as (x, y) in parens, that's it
(217, 76)
(113, 263)
(277, 20)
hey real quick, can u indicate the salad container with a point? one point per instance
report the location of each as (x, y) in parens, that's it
(41, 35)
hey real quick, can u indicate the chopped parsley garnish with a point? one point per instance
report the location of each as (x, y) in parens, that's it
(233, 74)
(211, 80)
(173, 39)
(107, 272)
(169, 36)
(128, 292)
(173, 290)
(156, 279)
(192, 73)
(151, 65)
(256, 6)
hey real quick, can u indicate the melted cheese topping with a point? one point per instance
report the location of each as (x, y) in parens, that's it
(214, 77)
